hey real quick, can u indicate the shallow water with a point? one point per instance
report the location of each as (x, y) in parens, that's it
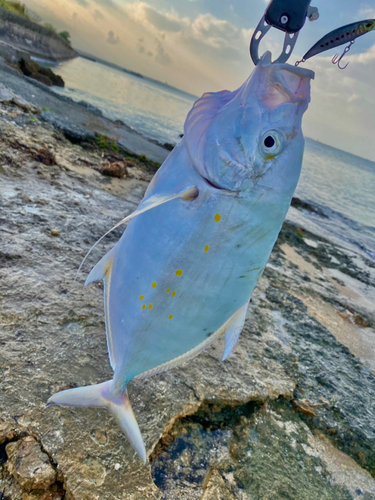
(155, 110)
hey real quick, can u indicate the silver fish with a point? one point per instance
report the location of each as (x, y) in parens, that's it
(184, 270)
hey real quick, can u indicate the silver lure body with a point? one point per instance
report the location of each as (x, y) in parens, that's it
(185, 268)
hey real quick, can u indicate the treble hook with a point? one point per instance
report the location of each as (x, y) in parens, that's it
(337, 58)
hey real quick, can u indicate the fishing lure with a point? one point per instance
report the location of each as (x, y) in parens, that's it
(339, 36)
(184, 270)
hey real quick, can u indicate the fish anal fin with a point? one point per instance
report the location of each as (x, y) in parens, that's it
(233, 320)
(103, 396)
(234, 330)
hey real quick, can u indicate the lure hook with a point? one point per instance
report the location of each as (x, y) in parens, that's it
(337, 58)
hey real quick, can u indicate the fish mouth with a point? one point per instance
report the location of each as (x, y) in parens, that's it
(280, 83)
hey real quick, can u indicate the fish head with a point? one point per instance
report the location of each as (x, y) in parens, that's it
(253, 135)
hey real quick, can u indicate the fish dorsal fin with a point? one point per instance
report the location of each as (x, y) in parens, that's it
(234, 331)
(198, 121)
(231, 322)
(103, 271)
(148, 204)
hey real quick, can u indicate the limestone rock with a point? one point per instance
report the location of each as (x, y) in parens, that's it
(9, 97)
(37, 72)
(29, 465)
(216, 488)
(75, 133)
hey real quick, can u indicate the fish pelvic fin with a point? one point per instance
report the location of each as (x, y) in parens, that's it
(103, 268)
(234, 330)
(103, 396)
(150, 203)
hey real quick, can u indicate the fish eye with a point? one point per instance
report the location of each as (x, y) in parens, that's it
(271, 143)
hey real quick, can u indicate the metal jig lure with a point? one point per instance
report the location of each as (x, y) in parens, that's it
(337, 37)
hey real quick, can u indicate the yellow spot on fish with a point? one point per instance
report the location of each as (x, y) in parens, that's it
(171, 316)
(217, 218)
(168, 290)
(206, 248)
(154, 285)
(174, 294)
(144, 306)
(141, 297)
(180, 272)
(150, 307)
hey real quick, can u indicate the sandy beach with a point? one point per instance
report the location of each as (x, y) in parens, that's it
(289, 415)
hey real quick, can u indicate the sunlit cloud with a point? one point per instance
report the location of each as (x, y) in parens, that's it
(98, 15)
(161, 21)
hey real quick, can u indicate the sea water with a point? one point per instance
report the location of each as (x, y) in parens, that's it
(340, 184)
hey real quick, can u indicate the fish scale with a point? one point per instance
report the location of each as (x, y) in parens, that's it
(184, 270)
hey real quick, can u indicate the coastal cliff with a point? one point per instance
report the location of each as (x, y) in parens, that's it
(38, 41)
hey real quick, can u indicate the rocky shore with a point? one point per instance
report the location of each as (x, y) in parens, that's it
(290, 414)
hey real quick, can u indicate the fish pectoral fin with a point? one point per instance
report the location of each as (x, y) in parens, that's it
(234, 330)
(150, 203)
(102, 396)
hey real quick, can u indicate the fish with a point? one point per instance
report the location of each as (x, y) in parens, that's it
(184, 270)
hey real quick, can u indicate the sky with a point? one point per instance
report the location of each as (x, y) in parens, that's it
(203, 46)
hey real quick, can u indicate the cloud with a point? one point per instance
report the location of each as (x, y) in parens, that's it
(84, 3)
(217, 38)
(163, 22)
(205, 35)
(98, 15)
(112, 38)
(161, 56)
(366, 11)
(109, 3)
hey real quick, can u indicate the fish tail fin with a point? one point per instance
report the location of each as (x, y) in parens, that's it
(124, 414)
(91, 396)
(102, 396)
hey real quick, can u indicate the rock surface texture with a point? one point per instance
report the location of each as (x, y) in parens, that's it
(289, 415)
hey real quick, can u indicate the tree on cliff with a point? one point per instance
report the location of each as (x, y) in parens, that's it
(65, 35)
